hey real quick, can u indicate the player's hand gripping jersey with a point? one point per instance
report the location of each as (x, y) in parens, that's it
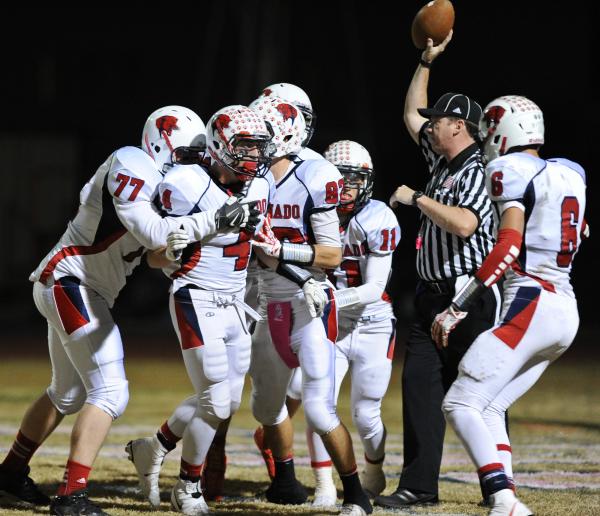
(302, 210)
(552, 195)
(116, 221)
(367, 246)
(218, 262)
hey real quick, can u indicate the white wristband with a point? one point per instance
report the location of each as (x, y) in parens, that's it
(297, 253)
(346, 297)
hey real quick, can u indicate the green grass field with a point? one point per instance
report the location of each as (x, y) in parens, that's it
(555, 432)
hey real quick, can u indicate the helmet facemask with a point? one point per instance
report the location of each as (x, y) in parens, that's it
(311, 122)
(362, 180)
(238, 140)
(247, 156)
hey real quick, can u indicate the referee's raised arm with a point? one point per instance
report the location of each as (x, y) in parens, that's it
(416, 97)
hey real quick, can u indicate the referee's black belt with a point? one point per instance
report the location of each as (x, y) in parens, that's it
(445, 286)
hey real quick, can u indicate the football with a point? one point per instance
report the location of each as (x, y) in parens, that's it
(434, 21)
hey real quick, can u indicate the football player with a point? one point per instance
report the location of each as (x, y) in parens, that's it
(542, 204)
(75, 287)
(305, 233)
(207, 307)
(365, 345)
(215, 465)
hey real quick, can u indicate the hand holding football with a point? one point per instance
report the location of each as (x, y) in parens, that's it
(434, 20)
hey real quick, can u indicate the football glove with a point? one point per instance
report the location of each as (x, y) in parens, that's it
(266, 240)
(234, 214)
(444, 323)
(315, 298)
(177, 241)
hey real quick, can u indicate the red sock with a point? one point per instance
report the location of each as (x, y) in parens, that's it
(167, 438)
(75, 478)
(20, 453)
(189, 471)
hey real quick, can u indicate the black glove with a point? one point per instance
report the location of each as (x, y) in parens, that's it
(234, 214)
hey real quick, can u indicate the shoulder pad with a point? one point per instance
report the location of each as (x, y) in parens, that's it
(133, 176)
(307, 154)
(323, 181)
(507, 177)
(381, 227)
(182, 188)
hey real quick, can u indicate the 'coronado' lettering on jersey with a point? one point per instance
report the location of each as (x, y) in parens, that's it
(284, 211)
(355, 249)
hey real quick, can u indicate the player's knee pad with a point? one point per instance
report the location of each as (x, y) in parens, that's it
(68, 402)
(214, 415)
(463, 397)
(320, 416)
(294, 389)
(268, 415)
(367, 419)
(214, 405)
(112, 397)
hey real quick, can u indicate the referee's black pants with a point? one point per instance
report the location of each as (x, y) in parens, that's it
(428, 374)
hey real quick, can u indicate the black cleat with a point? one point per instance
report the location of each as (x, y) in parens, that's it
(21, 487)
(75, 504)
(405, 498)
(290, 494)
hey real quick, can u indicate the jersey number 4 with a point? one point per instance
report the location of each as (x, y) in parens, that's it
(124, 180)
(569, 215)
(240, 250)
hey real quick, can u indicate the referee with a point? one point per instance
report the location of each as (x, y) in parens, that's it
(456, 232)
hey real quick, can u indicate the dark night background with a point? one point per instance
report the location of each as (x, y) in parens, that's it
(78, 84)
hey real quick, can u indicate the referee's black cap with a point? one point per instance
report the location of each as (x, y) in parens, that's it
(456, 105)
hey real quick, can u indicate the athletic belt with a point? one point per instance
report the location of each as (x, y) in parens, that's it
(446, 286)
(222, 300)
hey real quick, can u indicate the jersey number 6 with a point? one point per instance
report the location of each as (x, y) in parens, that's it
(569, 217)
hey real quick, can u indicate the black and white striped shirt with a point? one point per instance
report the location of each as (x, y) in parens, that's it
(440, 254)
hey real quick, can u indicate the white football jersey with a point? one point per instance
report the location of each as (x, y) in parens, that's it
(306, 154)
(552, 195)
(98, 246)
(308, 187)
(218, 262)
(374, 230)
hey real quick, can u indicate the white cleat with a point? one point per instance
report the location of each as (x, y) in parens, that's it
(147, 455)
(505, 503)
(373, 482)
(186, 497)
(325, 496)
(350, 509)
(325, 490)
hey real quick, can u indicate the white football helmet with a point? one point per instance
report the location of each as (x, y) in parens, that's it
(285, 122)
(174, 134)
(297, 96)
(355, 164)
(232, 136)
(510, 121)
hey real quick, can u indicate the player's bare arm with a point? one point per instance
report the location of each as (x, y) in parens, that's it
(454, 219)
(327, 257)
(157, 259)
(416, 97)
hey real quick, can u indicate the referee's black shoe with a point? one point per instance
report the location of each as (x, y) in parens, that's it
(20, 487)
(404, 497)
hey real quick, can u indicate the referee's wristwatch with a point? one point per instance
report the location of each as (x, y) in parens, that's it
(416, 196)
